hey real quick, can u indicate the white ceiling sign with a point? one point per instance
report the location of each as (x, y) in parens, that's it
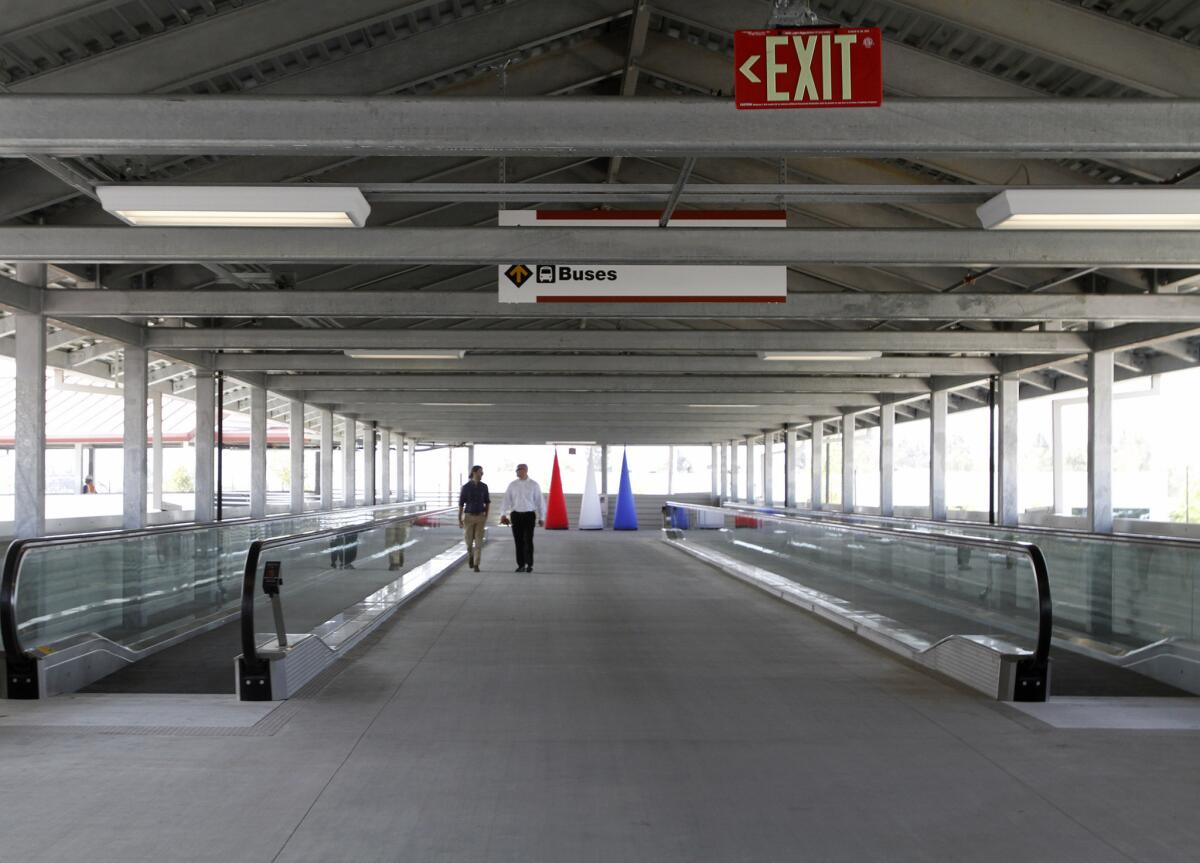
(534, 282)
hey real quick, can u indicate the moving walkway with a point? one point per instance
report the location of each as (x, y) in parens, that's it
(984, 619)
(1124, 610)
(148, 610)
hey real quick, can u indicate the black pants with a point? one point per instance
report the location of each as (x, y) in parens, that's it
(522, 528)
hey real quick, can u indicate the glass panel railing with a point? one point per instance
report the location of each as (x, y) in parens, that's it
(1114, 594)
(142, 588)
(930, 585)
(324, 584)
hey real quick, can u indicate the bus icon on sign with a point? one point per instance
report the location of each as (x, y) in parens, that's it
(545, 274)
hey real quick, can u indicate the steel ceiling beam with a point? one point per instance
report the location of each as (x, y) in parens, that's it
(1111, 49)
(558, 400)
(609, 341)
(731, 366)
(654, 194)
(573, 126)
(547, 383)
(813, 306)
(599, 246)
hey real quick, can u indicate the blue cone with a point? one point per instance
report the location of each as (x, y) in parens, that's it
(679, 518)
(626, 517)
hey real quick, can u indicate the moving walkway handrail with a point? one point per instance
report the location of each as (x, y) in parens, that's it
(1049, 530)
(1041, 655)
(9, 634)
(252, 662)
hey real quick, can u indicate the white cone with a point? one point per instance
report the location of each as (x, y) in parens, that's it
(590, 517)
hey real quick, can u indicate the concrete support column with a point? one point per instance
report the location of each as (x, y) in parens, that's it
(385, 465)
(296, 453)
(370, 446)
(715, 463)
(135, 379)
(1100, 569)
(734, 491)
(725, 469)
(789, 466)
(29, 464)
(939, 403)
(750, 469)
(326, 460)
(206, 443)
(768, 463)
(848, 462)
(1100, 429)
(887, 459)
(258, 452)
(1007, 398)
(402, 492)
(349, 445)
(670, 470)
(817, 461)
(412, 468)
(156, 460)
(604, 471)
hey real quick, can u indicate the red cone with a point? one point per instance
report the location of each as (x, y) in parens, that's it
(556, 506)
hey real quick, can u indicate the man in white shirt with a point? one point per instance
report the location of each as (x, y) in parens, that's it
(523, 506)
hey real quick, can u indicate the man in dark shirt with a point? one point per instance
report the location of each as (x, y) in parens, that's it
(474, 502)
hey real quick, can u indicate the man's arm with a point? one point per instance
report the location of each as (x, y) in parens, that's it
(462, 504)
(540, 505)
(505, 505)
(487, 502)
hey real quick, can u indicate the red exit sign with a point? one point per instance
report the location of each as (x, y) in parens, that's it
(835, 67)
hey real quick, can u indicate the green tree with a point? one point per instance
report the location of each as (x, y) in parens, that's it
(180, 481)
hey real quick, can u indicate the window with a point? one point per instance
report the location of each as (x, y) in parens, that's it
(866, 466)
(910, 485)
(968, 456)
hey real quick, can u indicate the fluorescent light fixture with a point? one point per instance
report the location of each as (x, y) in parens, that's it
(237, 206)
(810, 356)
(722, 406)
(1122, 209)
(458, 404)
(570, 443)
(405, 355)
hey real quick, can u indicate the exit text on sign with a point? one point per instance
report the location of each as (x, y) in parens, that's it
(808, 68)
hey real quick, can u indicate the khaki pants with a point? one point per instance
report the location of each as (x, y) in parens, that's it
(473, 526)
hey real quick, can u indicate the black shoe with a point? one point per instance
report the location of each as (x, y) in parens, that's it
(519, 569)
(529, 568)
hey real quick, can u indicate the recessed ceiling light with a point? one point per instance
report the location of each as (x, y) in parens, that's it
(1124, 209)
(236, 206)
(809, 356)
(405, 355)
(458, 404)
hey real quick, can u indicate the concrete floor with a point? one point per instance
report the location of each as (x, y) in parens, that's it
(622, 702)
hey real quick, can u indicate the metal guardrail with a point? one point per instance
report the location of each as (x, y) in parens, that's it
(1032, 672)
(21, 665)
(899, 521)
(254, 669)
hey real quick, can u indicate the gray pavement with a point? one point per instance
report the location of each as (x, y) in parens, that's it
(622, 702)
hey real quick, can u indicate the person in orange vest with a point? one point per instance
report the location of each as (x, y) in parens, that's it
(89, 486)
